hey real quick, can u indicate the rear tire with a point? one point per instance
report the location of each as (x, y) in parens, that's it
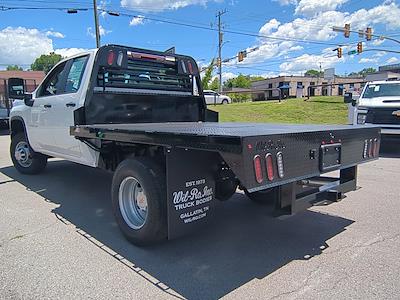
(262, 197)
(225, 189)
(25, 160)
(139, 201)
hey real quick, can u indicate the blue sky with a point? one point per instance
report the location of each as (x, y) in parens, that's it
(25, 34)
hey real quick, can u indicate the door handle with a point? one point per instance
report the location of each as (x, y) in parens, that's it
(47, 106)
(70, 104)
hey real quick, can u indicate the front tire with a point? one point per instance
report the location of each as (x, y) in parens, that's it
(225, 102)
(139, 201)
(25, 160)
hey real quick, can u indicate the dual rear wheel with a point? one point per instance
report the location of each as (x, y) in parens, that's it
(139, 201)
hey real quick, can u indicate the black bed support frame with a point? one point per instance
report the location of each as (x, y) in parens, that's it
(297, 196)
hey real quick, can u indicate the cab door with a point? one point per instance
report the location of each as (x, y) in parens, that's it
(64, 108)
(41, 124)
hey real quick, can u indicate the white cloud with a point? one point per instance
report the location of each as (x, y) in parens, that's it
(55, 34)
(160, 5)
(378, 42)
(392, 60)
(286, 2)
(228, 75)
(387, 14)
(308, 61)
(268, 27)
(319, 28)
(380, 54)
(312, 7)
(102, 31)
(67, 52)
(136, 21)
(21, 46)
(369, 60)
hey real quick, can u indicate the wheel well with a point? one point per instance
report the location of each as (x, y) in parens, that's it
(17, 126)
(112, 154)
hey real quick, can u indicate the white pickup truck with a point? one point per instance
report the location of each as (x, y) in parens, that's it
(141, 114)
(379, 104)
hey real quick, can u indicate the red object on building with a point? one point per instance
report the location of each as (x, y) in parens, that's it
(32, 79)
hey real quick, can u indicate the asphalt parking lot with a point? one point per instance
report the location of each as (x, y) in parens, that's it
(58, 240)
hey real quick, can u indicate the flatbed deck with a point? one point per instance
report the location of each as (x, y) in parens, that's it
(200, 135)
(219, 129)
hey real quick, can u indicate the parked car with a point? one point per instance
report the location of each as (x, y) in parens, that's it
(216, 98)
(3, 115)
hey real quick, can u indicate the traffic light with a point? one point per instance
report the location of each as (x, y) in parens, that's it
(218, 62)
(242, 55)
(339, 52)
(359, 47)
(368, 33)
(346, 30)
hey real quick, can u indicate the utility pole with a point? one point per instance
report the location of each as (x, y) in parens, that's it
(220, 41)
(96, 23)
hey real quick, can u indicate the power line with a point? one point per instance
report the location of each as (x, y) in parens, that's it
(243, 33)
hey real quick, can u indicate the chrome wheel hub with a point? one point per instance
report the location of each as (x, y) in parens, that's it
(132, 203)
(23, 154)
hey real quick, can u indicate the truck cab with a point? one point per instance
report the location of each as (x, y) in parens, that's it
(379, 104)
(46, 117)
(112, 84)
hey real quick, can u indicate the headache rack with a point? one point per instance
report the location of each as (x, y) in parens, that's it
(137, 72)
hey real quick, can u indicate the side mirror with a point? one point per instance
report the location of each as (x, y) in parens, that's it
(348, 98)
(28, 99)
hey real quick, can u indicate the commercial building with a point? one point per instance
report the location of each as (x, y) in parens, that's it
(31, 79)
(388, 72)
(301, 86)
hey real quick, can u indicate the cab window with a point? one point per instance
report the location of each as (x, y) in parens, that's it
(53, 83)
(75, 74)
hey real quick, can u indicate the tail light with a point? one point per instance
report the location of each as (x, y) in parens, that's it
(375, 151)
(190, 67)
(365, 152)
(148, 56)
(258, 169)
(110, 57)
(370, 148)
(279, 160)
(120, 58)
(270, 167)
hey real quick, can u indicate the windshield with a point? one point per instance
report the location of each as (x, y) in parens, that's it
(382, 90)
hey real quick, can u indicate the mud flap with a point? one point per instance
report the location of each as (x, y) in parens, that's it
(190, 189)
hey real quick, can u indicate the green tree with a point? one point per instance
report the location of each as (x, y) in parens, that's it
(363, 72)
(14, 68)
(205, 81)
(45, 62)
(214, 84)
(241, 81)
(314, 73)
(366, 71)
(256, 78)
